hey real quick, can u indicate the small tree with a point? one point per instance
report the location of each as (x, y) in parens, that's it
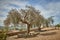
(49, 21)
(3, 34)
(58, 25)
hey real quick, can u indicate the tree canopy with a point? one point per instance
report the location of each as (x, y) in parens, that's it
(29, 16)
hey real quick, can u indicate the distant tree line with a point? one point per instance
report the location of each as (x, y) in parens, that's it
(57, 25)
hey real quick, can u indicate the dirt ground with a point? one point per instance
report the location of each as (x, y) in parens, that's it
(43, 35)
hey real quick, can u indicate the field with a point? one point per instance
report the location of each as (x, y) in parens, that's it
(46, 34)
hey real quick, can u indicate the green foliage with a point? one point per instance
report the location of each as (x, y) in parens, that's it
(58, 25)
(3, 34)
(49, 21)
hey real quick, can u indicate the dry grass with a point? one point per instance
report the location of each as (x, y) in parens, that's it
(44, 35)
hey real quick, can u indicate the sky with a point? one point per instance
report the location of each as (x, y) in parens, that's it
(47, 7)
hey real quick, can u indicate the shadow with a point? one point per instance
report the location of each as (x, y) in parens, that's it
(27, 36)
(50, 33)
(46, 30)
(43, 30)
(34, 35)
(45, 33)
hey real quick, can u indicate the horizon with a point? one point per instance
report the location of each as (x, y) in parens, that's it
(47, 7)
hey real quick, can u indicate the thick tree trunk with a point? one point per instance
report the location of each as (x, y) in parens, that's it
(14, 27)
(28, 28)
(55, 27)
(39, 28)
(47, 25)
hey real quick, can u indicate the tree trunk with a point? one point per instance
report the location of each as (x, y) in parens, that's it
(55, 27)
(14, 27)
(28, 28)
(47, 24)
(39, 28)
(58, 28)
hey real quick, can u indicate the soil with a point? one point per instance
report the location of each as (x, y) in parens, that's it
(45, 34)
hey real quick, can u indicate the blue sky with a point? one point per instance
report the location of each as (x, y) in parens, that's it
(47, 7)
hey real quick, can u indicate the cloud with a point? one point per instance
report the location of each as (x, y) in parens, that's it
(54, 10)
(7, 5)
(48, 8)
(2, 21)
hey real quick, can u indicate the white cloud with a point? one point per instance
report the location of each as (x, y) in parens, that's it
(5, 5)
(54, 8)
(1, 21)
(50, 9)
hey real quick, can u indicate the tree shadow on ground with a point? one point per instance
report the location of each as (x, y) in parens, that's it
(43, 30)
(35, 35)
(48, 33)
(47, 30)
(27, 36)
